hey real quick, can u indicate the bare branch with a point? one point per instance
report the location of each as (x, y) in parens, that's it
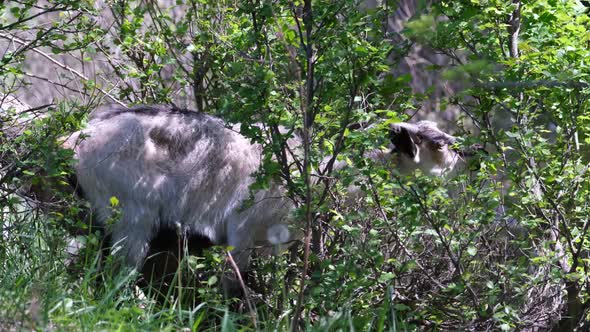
(61, 65)
(234, 266)
(514, 28)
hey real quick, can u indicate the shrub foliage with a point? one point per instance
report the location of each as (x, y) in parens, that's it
(502, 245)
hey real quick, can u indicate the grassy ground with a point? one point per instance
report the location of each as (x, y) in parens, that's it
(42, 288)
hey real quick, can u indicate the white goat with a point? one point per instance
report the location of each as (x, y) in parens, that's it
(175, 169)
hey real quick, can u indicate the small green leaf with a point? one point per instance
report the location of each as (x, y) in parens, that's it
(386, 277)
(27, 172)
(212, 281)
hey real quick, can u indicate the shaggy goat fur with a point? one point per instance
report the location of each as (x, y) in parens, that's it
(182, 170)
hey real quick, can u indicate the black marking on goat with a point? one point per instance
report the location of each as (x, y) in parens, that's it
(166, 250)
(72, 181)
(401, 139)
(177, 144)
(167, 239)
(109, 111)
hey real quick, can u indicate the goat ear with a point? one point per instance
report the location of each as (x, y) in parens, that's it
(402, 140)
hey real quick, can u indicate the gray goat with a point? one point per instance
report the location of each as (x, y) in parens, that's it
(186, 171)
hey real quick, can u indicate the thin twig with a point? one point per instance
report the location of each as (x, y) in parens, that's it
(307, 126)
(233, 264)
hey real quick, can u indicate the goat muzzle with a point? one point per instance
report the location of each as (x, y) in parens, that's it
(471, 151)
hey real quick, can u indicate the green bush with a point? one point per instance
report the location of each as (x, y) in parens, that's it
(502, 245)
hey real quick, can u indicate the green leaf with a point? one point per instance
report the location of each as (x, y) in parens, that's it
(386, 277)
(212, 280)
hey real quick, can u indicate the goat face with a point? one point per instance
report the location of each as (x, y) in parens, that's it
(423, 146)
